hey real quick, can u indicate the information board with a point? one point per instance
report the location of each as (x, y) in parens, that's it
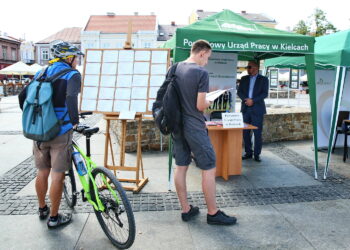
(118, 80)
(273, 78)
(222, 70)
(294, 76)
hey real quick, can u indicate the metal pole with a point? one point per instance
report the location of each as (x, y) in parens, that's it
(299, 92)
(278, 85)
(161, 142)
(289, 83)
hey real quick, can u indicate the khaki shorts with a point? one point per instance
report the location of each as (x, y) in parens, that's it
(55, 154)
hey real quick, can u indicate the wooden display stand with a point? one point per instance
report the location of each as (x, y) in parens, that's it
(139, 182)
(108, 88)
(227, 143)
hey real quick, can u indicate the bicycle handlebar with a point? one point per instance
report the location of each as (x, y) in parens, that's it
(84, 129)
(80, 128)
(82, 115)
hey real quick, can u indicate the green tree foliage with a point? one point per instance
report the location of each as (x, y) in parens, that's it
(316, 25)
(322, 24)
(302, 28)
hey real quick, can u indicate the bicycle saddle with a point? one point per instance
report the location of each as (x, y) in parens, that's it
(90, 131)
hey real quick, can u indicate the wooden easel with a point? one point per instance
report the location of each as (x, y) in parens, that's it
(139, 182)
(112, 113)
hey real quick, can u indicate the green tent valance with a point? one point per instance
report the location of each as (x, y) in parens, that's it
(229, 32)
(330, 51)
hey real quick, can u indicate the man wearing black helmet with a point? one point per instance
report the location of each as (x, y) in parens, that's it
(55, 156)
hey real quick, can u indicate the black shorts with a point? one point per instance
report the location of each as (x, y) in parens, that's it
(197, 142)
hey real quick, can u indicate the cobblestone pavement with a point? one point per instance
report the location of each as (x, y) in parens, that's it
(335, 187)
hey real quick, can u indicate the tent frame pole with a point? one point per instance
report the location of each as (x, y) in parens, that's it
(310, 67)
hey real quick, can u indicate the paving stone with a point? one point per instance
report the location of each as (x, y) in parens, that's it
(336, 187)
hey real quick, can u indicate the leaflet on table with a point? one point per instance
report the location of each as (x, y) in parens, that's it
(213, 123)
(211, 96)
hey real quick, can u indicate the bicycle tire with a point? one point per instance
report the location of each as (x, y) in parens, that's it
(112, 206)
(70, 188)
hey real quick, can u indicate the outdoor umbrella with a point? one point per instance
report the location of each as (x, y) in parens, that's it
(35, 68)
(19, 68)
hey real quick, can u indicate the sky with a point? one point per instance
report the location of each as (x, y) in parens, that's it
(38, 19)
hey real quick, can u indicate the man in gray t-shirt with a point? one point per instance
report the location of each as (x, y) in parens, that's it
(192, 138)
(192, 79)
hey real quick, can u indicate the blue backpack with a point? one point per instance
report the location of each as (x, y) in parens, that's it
(39, 119)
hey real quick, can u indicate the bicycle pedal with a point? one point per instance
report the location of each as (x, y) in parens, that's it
(83, 195)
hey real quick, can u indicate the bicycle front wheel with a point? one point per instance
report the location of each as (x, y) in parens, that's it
(69, 188)
(117, 221)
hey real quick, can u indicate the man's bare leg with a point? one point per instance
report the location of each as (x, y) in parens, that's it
(56, 188)
(41, 185)
(209, 190)
(181, 189)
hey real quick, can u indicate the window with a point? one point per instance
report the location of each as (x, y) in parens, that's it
(45, 54)
(105, 45)
(147, 45)
(14, 54)
(4, 52)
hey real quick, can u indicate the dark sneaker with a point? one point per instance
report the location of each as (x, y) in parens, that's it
(193, 212)
(220, 218)
(246, 157)
(44, 212)
(62, 219)
(257, 158)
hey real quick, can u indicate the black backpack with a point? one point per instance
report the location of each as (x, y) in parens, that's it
(166, 109)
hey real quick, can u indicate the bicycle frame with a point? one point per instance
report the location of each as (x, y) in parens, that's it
(90, 165)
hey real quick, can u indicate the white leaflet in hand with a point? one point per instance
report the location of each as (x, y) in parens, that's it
(214, 94)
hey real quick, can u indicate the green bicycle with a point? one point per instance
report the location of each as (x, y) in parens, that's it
(102, 190)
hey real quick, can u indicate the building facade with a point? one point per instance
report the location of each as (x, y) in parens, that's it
(110, 31)
(27, 51)
(42, 48)
(166, 32)
(9, 50)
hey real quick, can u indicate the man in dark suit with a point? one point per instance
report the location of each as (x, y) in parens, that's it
(252, 90)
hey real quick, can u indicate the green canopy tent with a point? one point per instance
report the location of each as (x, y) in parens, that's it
(231, 33)
(331, 52)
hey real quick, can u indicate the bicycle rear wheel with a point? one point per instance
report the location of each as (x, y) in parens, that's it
(69, 188)
(117, 221)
